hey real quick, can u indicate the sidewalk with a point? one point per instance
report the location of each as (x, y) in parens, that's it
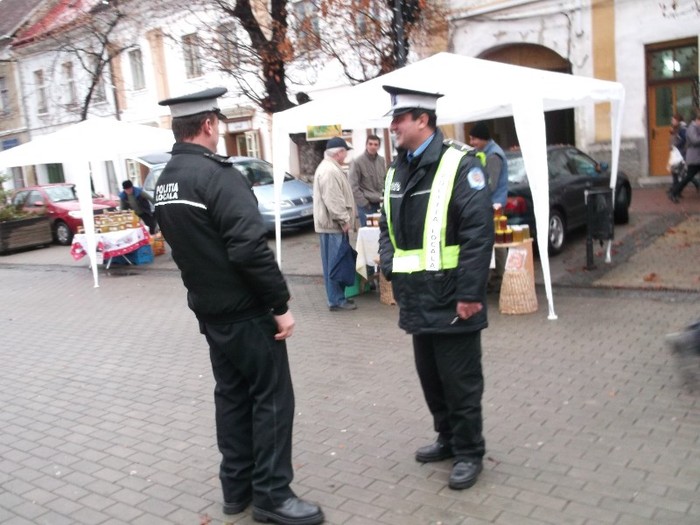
(655, 251)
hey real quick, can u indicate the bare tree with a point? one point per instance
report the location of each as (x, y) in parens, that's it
(266, 47)
(86, 32)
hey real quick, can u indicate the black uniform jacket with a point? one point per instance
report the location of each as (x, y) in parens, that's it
(209, 217)
(428, 300)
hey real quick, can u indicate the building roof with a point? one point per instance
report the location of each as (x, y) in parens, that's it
(14, 14)
(62, 14)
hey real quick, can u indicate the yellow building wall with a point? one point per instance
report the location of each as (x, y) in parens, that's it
(603, 38)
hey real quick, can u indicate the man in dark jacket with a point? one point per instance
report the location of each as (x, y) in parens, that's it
(436, 238)
(133, 198)
(209, 216)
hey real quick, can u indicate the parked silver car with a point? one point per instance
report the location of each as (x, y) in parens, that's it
(296, 207)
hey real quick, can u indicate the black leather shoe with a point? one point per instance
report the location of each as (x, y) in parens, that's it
(434, 452)
(236, 507)
(464, 474)
(293, 511)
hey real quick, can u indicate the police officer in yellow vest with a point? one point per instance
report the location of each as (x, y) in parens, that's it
(436, 238)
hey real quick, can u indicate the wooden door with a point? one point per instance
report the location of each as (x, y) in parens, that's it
(672, 76)
(665, 100)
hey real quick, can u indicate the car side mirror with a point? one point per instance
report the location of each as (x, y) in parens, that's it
(602, 167)
(38, 204)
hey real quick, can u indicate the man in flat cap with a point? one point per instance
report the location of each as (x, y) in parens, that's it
(496, 167)
(209, 216)
(436, 237)
(334, 212)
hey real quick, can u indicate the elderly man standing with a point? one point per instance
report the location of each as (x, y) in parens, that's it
(334, 211)
(367, 174)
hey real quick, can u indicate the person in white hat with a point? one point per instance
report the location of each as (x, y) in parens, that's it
(209, 216)
(436, 237)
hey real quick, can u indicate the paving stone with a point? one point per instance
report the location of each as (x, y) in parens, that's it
(585, 422)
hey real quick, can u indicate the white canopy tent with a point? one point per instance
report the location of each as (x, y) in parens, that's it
(473, 89)
(88, 141)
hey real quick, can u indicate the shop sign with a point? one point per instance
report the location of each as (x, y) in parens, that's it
(239, 125)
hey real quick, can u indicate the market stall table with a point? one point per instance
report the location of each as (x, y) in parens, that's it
(111, 244)
(367, 248)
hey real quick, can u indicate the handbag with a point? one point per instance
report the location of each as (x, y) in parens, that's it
(343, 264)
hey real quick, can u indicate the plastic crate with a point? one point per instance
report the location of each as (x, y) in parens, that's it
(143, 255)
(361, 286)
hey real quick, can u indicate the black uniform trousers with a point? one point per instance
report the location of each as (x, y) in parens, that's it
(254, 401)
(449, 369)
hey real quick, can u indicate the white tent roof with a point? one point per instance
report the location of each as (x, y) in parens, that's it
(473, 89)
(90, 140)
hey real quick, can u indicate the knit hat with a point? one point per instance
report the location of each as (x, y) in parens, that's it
(480, 131)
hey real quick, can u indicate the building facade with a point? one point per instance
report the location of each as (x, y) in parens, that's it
(649, 47)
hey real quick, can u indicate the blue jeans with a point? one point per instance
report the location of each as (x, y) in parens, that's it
(330, 245)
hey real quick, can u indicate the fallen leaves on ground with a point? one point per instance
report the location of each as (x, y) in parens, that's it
(651, 277)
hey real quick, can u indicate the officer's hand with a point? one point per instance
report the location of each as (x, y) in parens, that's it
(285, 326)
(466, 310)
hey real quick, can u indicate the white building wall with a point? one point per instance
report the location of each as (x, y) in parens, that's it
(638, 24)
(565, 27)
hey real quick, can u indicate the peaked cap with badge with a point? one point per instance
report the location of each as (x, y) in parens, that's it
(404, 100)
(196, 103)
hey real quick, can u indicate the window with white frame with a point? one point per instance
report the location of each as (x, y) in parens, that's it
(70, 93)
(228, 47)
(367, 17)
(193, 62)
(138, 80)
(98, 94)
(306, 22)
(41, 98)
(4, 97)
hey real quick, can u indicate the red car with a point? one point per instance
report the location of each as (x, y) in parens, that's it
(60, 203)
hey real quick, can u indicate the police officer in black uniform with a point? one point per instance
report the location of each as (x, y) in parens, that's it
(209, 217)
(436, 238)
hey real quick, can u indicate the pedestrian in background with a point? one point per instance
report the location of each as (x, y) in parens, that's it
(496, 166)
(367, 174)
(334, 213)
(209, 216)
(692, 157)
(436, 238)
(139, 201)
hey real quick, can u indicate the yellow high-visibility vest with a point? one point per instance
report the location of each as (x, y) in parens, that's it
(436, 254)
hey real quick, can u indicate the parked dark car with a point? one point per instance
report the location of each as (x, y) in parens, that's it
(296, 209)
(60, 203)
(571, 172)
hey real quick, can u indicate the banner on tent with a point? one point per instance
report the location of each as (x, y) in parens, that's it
(323, 132)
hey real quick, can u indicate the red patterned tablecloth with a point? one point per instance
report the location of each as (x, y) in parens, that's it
(111, 244)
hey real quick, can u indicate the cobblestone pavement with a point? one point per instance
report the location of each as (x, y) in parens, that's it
(107, 406)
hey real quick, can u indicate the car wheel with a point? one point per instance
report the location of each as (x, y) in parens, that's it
(62, 233)
(557, 232)
(622, 205)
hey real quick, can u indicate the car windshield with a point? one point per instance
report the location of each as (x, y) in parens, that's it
(61, 193)
(258, 172)
(516, 168)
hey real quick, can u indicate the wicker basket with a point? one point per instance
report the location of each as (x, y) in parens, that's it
(517, 293)
(386, 294)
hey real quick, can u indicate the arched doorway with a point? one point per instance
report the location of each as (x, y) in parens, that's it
(559, 124)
